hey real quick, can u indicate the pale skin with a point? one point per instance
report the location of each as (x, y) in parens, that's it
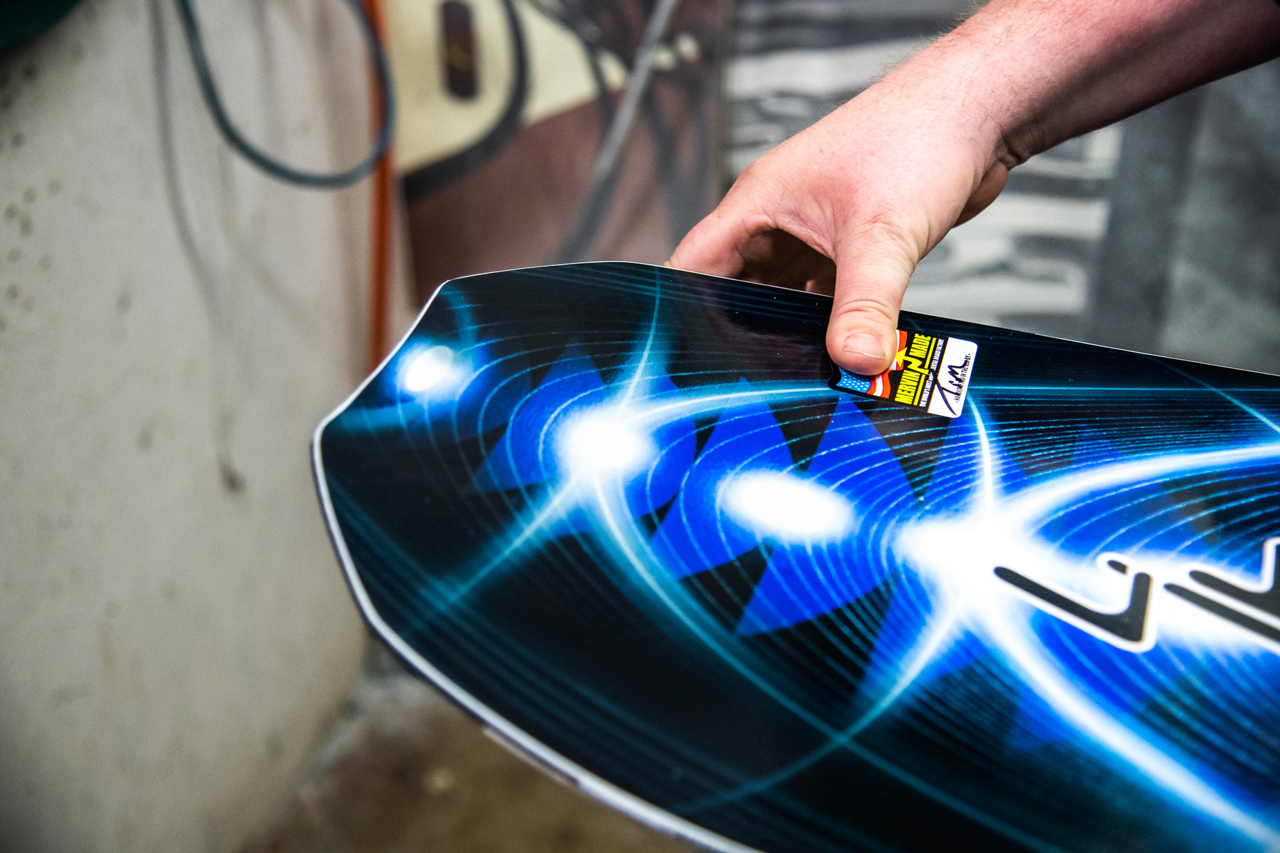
(850, 205)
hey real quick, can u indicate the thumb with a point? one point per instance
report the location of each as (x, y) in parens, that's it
(871, 279)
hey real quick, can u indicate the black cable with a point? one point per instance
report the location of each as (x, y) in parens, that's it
(584, 228)
(441, 172)
(667, 164)
(685, 190)
(580, 25)
(268, 164)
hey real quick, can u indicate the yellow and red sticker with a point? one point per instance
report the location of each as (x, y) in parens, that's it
(928, 372)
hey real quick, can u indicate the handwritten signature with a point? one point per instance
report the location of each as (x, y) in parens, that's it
(952, 389)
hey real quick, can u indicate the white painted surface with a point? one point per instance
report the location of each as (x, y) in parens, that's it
(174, 631)
(981, 276)
(433, 124)
(1016, 213)
(817, 72)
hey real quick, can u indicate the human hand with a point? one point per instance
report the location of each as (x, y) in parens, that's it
(852, 204)
(849, 207)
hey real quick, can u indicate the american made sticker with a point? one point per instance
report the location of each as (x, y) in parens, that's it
(928, 372)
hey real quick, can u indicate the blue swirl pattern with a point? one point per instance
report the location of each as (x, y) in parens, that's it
(620, 508)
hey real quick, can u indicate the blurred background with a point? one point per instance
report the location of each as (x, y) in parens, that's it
(181, 667)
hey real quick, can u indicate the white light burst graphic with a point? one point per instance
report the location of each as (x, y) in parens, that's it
(786, 507)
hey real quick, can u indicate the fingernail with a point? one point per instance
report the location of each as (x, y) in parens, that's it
(864, 344)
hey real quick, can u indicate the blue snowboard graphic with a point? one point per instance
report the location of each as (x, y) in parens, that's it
(620, 513)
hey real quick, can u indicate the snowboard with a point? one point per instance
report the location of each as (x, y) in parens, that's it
(1017, 593)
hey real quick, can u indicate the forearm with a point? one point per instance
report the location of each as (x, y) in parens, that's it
(852, 203)
(1033, 73)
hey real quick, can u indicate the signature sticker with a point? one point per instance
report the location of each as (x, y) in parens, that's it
(928, 372)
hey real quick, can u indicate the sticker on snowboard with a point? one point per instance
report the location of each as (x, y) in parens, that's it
(928, 372)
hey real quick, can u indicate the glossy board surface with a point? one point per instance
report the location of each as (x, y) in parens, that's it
(619, 513)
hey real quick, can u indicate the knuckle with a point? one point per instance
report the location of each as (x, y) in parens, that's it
(869, 308)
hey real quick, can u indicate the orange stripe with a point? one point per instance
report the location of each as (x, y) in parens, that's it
(380, 215)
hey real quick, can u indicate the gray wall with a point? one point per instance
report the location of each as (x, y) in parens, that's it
(1156, 234)
(174, 632)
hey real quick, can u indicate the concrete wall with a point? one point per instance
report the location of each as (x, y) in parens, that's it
(173, 628)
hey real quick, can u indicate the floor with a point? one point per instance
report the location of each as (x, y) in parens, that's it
(404, 770)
